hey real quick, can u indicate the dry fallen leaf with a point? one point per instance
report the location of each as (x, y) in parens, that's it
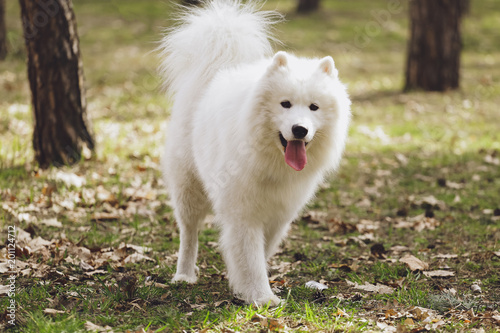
(98, 271)
(399, 248)
(104, 195)
(435, 325)
(424, 314)
(69, 179)
(490, 159)
(409, 322)
(136, 257)
(274, 324)
(52, 311)
(53, 222)
(26, 217)
(475, 288)
(378, 288)
(364, 203)
(89, 326)
(80, 252)
(445, 256)
(198, 306)
(4, 266)
(402, 159)
(339, 227)
(38, 244)
(138, 249)
(340, 313)
(86, 267)
(414, 263)
(316, 285)
(386, 328)
(48, 189)
(418, 223)
(103, 216)
(430, 202)
(23, 236)
(284, 267)
(391, 313)
(271, 324)
(365, 226)
(258, 318)
(439, 273)
(4, 290)
(453, 185)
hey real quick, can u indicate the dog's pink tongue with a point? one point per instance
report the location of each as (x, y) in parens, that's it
(295, 154)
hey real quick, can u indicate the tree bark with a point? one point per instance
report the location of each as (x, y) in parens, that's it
(433, 62)
(55, 73)
(307, 6)
(3, 31)
(464, 7)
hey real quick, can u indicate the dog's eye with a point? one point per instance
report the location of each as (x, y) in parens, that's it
(286, 104)
(313, 107)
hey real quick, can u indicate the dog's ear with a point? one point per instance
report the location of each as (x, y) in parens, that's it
(327, 66)
(280, 59)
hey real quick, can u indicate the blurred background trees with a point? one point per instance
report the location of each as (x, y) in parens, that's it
(432, 61)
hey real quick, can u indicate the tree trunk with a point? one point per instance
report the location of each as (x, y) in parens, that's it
(3, 31)
(433, 62)
(464, 6)
(56, 80)
(307, 6)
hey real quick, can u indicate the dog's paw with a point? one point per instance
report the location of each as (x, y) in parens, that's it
(271, 300)
(184, 278)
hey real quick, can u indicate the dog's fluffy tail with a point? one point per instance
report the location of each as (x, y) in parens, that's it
(222, 33)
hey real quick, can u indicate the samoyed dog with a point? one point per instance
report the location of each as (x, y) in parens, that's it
(251, 136)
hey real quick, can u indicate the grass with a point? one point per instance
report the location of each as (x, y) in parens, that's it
(427, 144)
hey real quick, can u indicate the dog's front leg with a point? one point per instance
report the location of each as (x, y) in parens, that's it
(243, 250)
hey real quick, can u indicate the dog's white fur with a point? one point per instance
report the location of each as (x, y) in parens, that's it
(223, 149)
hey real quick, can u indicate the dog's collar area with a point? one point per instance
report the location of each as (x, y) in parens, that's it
(284, 143)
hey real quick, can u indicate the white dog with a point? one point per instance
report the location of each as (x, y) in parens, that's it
(251, 136)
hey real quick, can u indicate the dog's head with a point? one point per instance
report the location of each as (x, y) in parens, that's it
(309, 108)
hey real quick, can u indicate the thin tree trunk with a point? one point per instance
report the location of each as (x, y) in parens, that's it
(307, 6)
(433, 62)
(55, 73)
(3, 31)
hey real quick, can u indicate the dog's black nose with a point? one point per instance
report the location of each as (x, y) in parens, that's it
(299, 132)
